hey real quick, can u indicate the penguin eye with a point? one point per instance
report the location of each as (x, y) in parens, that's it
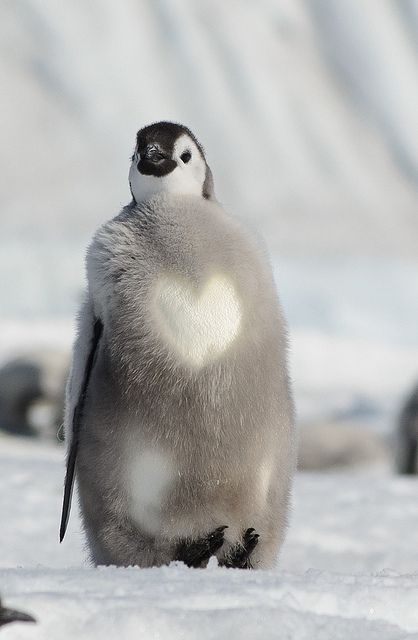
(186, 157)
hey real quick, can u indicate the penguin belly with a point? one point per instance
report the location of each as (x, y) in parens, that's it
(197, 324)
(168, 501)
(150, 477)
(188, 426)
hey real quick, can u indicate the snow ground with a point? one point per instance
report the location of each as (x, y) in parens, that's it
(349, 567)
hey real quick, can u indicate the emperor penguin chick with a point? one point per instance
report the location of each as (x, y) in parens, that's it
(179, 418)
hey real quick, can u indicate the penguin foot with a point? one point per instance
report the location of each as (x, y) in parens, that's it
(195, 553)
(239, 557)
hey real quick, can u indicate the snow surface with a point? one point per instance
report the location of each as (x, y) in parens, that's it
(348, 569)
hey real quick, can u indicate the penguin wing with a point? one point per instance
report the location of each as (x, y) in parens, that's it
(89, 356)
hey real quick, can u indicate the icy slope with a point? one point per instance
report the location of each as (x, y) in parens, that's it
(307, 115)
(348, 569)
(308, 112)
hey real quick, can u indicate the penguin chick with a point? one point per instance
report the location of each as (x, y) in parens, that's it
(12, 615)
(179, 417)
(30, 378)
(406, 450)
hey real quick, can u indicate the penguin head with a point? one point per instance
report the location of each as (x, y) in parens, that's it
(169, 159)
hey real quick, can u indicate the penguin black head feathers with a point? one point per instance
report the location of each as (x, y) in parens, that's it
(168, 158)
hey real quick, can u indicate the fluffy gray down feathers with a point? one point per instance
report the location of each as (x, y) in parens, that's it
(178, 439)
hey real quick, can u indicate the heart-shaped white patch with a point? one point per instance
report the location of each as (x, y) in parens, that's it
(198, 325)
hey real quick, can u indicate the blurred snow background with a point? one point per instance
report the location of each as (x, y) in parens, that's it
(308, 110)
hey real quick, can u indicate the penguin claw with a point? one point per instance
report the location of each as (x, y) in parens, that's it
(239, 557)
(250, 540)
(196, 553)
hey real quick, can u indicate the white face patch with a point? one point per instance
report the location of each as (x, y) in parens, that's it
(186, 178)
(149, 476)
(198, 325)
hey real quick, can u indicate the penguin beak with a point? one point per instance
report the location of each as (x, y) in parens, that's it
(154, 154)
(11, 615)
(154, 162)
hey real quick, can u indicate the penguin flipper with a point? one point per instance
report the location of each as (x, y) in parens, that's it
(76, 425)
